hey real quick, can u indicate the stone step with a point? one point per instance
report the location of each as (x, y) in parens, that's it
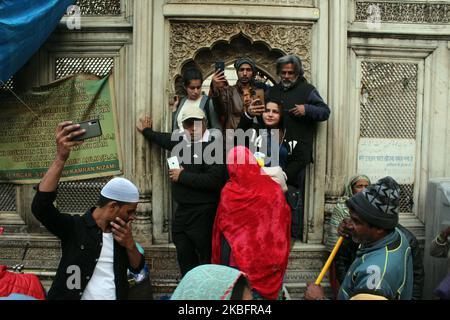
(40, 254)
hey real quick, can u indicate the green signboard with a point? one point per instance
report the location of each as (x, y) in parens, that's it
(27, 130)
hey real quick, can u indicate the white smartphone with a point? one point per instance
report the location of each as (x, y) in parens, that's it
(173, 163)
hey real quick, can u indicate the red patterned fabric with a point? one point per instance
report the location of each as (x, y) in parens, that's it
(255, 219)
(26, 284)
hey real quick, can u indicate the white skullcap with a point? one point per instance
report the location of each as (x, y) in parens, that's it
(121, 189)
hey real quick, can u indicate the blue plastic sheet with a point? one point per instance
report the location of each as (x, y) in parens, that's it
(24, 27)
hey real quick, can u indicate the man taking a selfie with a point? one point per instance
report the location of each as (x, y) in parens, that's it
(97, 247)
(232, 101)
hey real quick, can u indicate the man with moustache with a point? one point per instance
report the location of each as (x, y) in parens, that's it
(97, 247)
(232, 101)
(303, 107)
(383, 265)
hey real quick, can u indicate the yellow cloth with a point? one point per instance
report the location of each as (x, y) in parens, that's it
(366, 296)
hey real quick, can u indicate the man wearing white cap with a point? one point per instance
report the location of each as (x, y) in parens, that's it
(196, 187)
(98, 247)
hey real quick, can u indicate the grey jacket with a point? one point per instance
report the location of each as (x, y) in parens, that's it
(206, 104)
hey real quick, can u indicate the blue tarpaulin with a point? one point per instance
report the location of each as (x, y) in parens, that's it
(24, 27)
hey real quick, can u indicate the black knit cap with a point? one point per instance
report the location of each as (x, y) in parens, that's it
(245, 60)
(378, 204)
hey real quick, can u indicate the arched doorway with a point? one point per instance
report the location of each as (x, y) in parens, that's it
(200, 44)
(238, 46)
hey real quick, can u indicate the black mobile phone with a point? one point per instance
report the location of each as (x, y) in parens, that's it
(92, 127)
(220, 65)
(259, 94)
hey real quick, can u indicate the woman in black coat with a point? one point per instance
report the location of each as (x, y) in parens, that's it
(293, 150)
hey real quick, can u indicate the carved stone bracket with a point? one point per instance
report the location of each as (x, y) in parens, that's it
(188, 38)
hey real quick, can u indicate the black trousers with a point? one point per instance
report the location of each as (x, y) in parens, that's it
(192, 235)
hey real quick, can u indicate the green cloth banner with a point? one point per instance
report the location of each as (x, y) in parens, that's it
(27, 137)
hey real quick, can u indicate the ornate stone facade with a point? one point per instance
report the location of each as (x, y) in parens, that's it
(189, 38)
(404, 11)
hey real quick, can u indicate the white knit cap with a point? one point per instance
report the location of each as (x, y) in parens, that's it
(121, 189)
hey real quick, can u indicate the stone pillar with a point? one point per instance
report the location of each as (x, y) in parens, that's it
(341, 118)
(141, 97)
(315, 180)
(161, 205)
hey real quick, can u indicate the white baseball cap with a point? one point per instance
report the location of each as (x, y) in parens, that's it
(121, 189)
(192, 112)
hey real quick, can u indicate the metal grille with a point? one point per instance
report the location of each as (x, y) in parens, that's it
(7, 197)
(99, 7)
(406, 198)
(99, 66)
(7, 85)
(388, 100)
(79, 196)
(389, 108)
(404, 11)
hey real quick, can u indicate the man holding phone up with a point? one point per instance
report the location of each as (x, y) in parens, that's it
(97, 247)
(232, 101)
(196, 186)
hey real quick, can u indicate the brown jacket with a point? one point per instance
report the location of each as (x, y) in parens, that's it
(230, 105)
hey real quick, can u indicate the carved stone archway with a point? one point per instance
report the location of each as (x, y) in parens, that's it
(238, 46)
(199, 42)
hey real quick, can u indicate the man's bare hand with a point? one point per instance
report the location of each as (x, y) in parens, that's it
(345, 228)
(144, 123)
(314, 292)
(173, 104)
(65, 132)
(174, 174)
(256, 108)
(219, 80)
(298, 111)
(122, 233)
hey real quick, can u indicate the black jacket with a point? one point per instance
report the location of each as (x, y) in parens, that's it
(298, 149)
(199, 182)
(316, 109)
(81, 244)
(347, 254)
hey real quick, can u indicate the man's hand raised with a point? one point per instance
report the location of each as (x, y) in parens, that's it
(219, 80)
(65, 132)
(345, 228)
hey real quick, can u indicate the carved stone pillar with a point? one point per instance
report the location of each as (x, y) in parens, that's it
(340, 118)
(141, 59)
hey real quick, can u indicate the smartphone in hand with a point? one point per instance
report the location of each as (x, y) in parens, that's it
(259, 94)
(92, 127)
(220, 66)
(173, 163)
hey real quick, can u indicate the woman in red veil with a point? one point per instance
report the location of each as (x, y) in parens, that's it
(252, 226)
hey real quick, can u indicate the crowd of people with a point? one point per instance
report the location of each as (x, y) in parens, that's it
(234, 210)
(236, 217)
